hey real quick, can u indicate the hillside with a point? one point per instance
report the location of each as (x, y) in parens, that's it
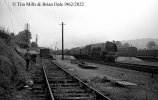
(140, 43)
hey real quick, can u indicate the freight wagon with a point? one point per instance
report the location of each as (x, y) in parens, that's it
(148, 54)
(127, 52)
(44, 53)
(144, 54)
(100, 51)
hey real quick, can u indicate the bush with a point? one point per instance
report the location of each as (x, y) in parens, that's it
(7, 37)
(4, 35)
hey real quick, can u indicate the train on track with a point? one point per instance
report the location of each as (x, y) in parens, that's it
(134, 52)
(100, 51)
(148, 53)
(127, 52)
(104, 52)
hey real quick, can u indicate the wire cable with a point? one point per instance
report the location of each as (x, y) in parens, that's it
(19, 22)
(10, 14)
(1, 12)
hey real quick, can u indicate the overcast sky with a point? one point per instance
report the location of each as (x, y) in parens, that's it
(96, 21)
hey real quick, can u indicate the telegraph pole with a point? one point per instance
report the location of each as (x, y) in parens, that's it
(62, 40)
(27, 33)
(37, 40)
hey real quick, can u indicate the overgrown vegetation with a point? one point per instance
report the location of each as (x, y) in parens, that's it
(11, 65)
(23, 39)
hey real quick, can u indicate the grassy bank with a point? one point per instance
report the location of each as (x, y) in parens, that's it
(12, 68)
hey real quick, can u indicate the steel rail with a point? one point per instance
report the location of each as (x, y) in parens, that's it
(99, 95)
(50, 91)
(138, 67)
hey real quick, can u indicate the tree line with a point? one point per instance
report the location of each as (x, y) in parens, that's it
(22, 39)
(149, 45)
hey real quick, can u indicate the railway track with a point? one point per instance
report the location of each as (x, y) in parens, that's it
(138, 67)
(39, 89)
(65, 86)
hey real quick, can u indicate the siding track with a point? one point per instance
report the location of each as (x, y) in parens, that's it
(139, 67)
